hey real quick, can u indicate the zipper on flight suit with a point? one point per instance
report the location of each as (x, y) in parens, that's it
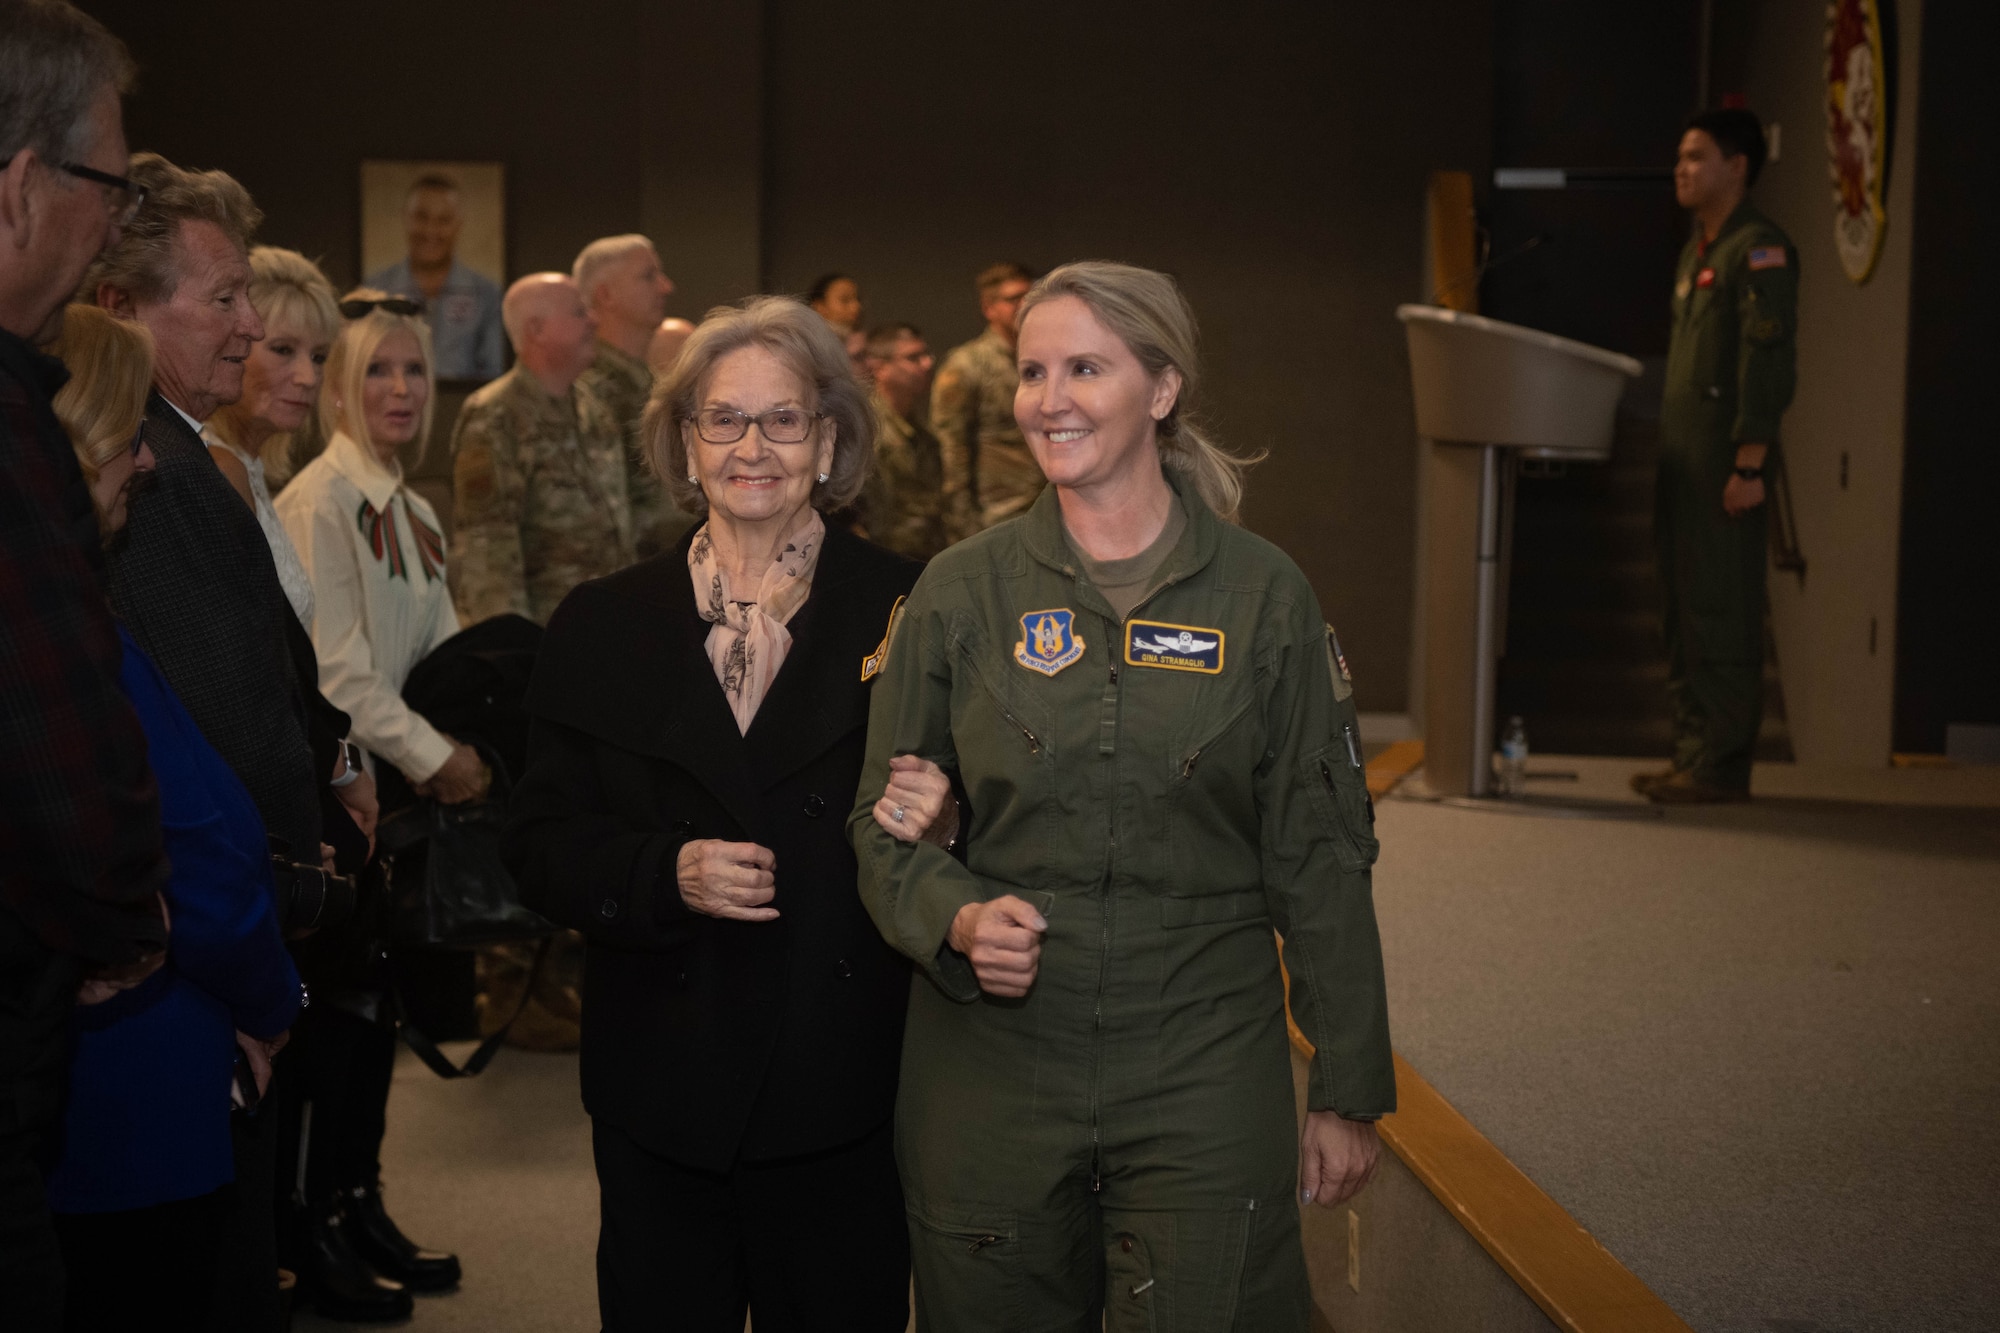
(1107, 748)
(1034, 741)
(1354, 758)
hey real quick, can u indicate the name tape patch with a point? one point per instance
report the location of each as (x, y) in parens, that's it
(1154, 643)
(1049, 641)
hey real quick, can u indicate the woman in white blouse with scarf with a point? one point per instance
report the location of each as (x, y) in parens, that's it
(374, 549)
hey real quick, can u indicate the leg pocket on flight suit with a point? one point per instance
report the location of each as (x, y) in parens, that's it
(1131, 1288)
(1340, 793)
(1231, 1270)
(967, 1272)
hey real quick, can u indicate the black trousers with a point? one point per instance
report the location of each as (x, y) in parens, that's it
(37, 992)
(245, 1255)
(341, 1065)
(802, 1243)
(147, 1268)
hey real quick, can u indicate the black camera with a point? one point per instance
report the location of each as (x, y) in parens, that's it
(309, 898)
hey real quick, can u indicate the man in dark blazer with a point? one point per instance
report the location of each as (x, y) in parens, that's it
(193, 580)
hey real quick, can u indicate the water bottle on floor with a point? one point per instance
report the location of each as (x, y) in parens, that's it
(1514, 758)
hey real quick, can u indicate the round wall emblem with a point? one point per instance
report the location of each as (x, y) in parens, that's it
(1857, 131)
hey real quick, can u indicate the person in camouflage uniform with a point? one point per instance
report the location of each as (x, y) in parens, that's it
(1731, 368)
(903, 505)
(989, 475)
(623, 287)
(538, 467)
(539, 505)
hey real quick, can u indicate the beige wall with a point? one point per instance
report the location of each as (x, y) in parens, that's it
(1852, 344)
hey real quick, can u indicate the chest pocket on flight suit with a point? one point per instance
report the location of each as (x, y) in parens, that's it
(1210, 801)
(1005, 740)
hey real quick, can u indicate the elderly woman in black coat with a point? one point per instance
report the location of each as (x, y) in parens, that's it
(699, 721)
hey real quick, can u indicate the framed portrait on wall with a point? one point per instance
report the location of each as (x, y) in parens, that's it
(436, 232)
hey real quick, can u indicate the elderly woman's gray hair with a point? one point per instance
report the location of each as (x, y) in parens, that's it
(803, 343)
(145, 262)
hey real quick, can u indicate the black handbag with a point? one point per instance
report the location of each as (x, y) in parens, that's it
(449, 888)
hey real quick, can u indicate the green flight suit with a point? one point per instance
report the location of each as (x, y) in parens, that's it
(1119, 1149)
(1730, 375)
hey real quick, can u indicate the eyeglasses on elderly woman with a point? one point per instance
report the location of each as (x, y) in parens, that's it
(780, 425)
(356, 307)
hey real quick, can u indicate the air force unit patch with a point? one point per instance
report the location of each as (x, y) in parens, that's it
(1049, 641)
(1151, 643)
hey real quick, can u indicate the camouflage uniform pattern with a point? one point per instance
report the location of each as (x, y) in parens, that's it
(623, 383)
(903, 506)
(539, 501)
(989, 475)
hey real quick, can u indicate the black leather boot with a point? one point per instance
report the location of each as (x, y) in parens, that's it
(339, 1282)
(392, 1253)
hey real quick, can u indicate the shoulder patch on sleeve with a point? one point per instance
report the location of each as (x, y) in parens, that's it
(872, 665)
(1767, 256)
(1336, 666)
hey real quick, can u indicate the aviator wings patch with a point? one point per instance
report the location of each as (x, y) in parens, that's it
(1153, 643)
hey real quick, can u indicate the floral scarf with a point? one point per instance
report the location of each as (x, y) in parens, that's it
(749, 640)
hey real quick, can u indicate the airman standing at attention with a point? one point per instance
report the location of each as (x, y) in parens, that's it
(903, 505)
(1730, 374)
(622, 286)
(538, 467)
(989, 473)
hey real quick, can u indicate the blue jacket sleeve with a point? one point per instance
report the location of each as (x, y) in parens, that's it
(224, 934)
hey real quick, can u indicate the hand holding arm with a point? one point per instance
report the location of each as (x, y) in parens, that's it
(917, 803)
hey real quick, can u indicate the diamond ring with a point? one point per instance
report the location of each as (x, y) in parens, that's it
(897, 814)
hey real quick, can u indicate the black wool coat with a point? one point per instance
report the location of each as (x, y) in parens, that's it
(705, 1039)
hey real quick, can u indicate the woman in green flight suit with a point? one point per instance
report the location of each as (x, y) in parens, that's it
(1157, 741)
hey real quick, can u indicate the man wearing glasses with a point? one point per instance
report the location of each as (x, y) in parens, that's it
(80, 860)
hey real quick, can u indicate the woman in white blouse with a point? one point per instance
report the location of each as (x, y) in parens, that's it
(250, 439)
(373, 548)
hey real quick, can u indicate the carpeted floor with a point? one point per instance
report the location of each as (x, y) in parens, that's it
(1754, 1050)
(498, 1169)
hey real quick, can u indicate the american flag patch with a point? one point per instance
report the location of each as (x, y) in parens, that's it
(1767, 256)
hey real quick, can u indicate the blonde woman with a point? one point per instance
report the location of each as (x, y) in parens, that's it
(374, 550)
(1095, 1119)
(250, 439)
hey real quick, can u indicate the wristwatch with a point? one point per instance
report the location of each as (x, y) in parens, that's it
(352, 752)
(1750, 473)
